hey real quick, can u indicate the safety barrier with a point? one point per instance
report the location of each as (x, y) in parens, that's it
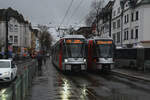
(19, 89)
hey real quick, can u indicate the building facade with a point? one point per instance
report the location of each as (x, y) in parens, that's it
(130, 23)
(19, 31)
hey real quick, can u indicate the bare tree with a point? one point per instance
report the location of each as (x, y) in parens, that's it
(96, 8)
(45, 38)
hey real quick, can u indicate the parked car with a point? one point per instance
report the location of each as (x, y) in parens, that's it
(8, 70)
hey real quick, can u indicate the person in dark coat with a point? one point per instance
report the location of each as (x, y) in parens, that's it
(39, 59)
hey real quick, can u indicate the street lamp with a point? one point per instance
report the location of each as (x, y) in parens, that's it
(122, 8)
(6, 38)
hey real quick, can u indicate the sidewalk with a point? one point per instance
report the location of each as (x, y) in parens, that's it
(133, 74)
(40, 90)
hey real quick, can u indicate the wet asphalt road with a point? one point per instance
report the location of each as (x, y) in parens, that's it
(53, 85)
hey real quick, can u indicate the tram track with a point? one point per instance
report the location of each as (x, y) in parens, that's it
(94, 82)
(85, 91)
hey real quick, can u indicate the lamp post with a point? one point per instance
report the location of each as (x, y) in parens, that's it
(6, 38)
(122, 7)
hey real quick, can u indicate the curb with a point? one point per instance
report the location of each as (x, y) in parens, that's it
(122, 74)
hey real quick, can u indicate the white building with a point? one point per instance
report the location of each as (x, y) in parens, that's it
(132, 27)
(19, 33)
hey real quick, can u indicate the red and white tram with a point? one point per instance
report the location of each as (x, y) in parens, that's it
(100, 54)
(68, 54)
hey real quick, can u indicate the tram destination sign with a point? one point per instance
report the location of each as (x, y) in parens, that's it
(104, 42)
(76, 41)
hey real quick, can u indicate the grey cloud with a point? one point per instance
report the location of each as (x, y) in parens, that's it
(45, 11)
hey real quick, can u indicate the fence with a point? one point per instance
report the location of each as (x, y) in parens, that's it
(19, 89)
(138, 58)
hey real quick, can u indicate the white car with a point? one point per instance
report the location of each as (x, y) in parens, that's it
(8, 70)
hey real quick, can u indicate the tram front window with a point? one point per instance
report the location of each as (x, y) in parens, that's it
(74, 50)
(105, 51)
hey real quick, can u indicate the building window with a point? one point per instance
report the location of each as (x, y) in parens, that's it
(136, 33)
(132, 17)
(137, 15)
(127, 33)
(10, 39)
(127, 18)
(114, 25)
(15, 39)
(124, 35)
(132, 33)
(118, 23)
(16, 28)
(118, 37)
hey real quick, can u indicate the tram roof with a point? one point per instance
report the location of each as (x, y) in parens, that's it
(100, 38)
(74, 36)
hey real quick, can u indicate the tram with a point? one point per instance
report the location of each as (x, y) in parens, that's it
(100, 54)
(68, 54)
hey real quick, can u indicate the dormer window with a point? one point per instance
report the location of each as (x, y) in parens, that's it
(127, 4)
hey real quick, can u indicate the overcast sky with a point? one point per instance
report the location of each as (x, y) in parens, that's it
(50, 11)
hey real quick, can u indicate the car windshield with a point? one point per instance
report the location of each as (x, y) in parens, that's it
(4, 64)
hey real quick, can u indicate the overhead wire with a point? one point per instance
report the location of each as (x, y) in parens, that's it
(67, 11)
(83, 18)
(76, 9)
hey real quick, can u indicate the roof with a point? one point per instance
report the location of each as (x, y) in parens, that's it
(100, 38)
(12, 13)
(74, 36)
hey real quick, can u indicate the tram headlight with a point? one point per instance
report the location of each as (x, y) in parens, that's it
(66, 60)
(84, 60)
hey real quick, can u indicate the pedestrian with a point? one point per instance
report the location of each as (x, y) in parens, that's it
(44, 59)
(39, 59)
